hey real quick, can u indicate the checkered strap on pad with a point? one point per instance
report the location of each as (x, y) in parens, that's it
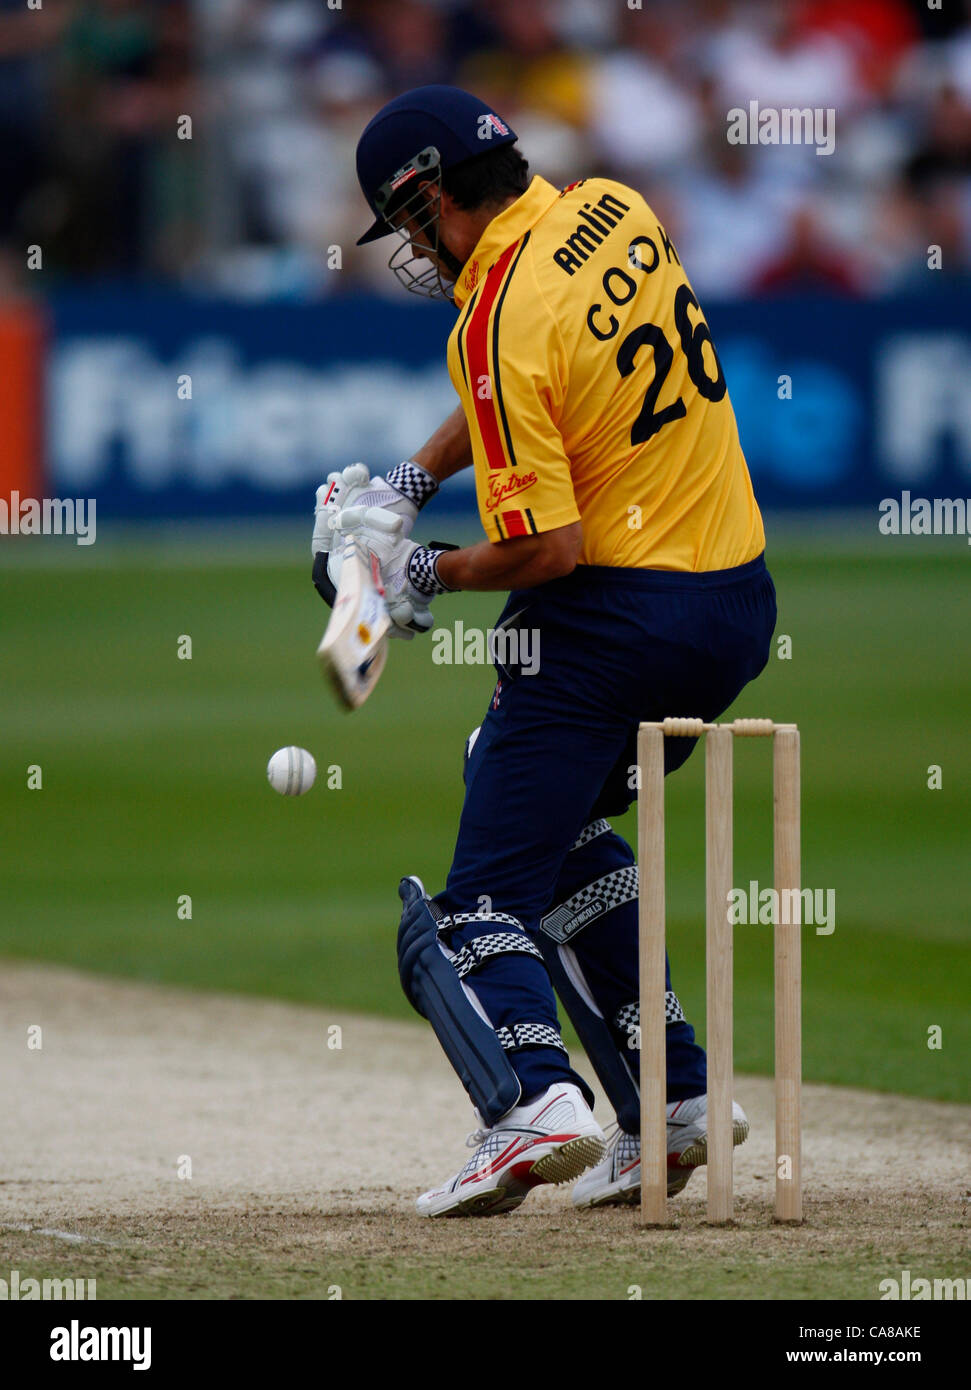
(462, 919)
(482, 948)
(529, 1035)
(597, 899)
(590, 832)
(628, 1016)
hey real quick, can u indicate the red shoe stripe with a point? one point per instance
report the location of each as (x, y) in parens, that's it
(512, 1151)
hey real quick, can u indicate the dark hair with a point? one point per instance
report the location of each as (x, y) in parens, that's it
(487, 179)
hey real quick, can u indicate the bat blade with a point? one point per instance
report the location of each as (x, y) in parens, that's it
(354, 647)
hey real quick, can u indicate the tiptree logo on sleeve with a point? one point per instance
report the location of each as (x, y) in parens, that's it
(77, 1343)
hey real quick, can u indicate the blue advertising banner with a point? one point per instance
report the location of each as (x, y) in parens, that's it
(164, 405)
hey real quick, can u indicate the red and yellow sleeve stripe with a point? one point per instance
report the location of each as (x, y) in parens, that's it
(479, 355)
(478, 347)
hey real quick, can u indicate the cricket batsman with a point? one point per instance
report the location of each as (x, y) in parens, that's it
(620, 519)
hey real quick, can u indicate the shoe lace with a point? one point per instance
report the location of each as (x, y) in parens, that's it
(477, 1137)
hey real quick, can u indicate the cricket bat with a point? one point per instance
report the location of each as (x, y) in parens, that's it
(354, 647)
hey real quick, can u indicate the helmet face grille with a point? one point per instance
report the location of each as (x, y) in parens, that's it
(419, 275)
(415, 219)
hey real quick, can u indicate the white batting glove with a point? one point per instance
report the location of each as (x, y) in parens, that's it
(411, 582)
(403, 493)
(325, 514)
(409, 571)
(353, 487)
(339, 495)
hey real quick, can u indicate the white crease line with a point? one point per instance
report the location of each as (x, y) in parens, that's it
(71, 1236)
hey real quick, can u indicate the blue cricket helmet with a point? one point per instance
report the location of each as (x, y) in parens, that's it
(433, 128)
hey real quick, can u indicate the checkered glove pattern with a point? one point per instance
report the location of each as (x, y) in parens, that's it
(413, 482)
(423, 572)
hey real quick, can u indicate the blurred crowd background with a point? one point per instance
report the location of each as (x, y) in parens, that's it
(93, 170)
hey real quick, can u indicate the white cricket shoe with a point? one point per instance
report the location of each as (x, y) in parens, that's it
(617, 1180)
(551, 1140)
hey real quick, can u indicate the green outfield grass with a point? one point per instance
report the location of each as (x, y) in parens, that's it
(154, 786)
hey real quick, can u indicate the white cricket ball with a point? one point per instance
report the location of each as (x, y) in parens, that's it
(292, 771)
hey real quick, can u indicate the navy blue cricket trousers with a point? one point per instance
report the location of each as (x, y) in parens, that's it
(557, 750)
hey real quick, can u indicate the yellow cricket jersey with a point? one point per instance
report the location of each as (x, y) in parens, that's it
(592, 389)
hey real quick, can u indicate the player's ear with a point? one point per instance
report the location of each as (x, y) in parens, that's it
(447, 204)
